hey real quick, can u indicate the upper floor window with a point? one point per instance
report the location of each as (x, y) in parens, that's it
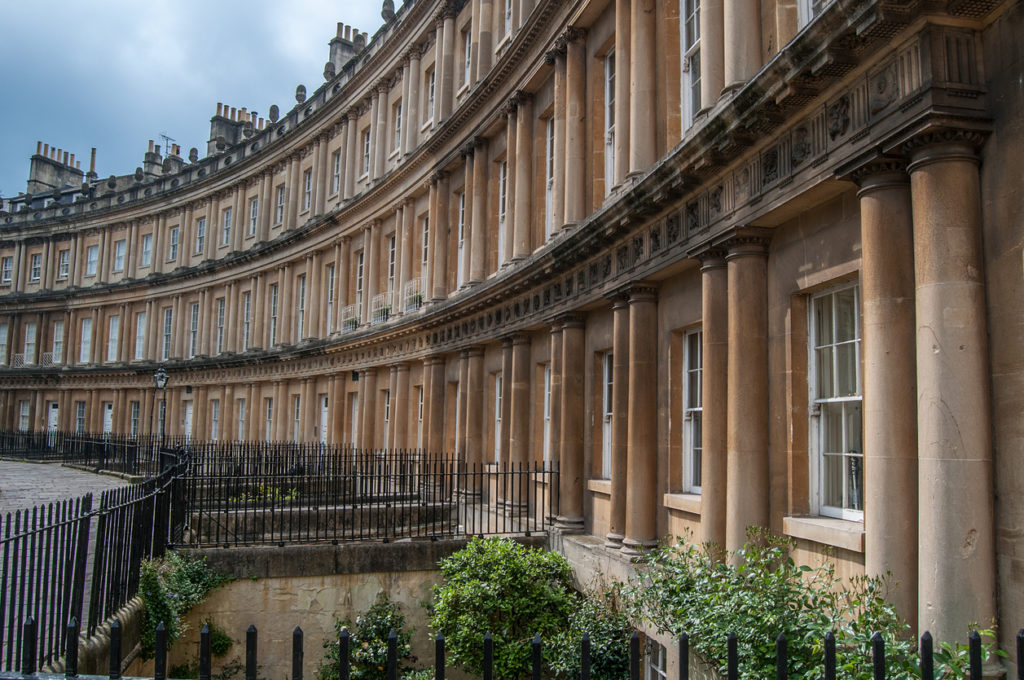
(607, 415)
(6, 269)
(693, 376)
(225, 230)
(467, 54)
(835, 382)
(460, 276)
(431, 84)
(254, 215)
(549, 176)
(113, 337)
(365, 168)
(546, 444)
(336, 172)
(193, 331)
(691, 60)
(307, 189)
(507, 26)
(279, 212)
(396, 116)
(85, 342)
(57, 342)
(392, 248)
(140, 336)
(172, 244)
(35, 270)
(808, 9)
(246, 318)
(359, 279)
(221, 305)
(502, 207)
(424, 244)
(200, 235)
(63, 264)
(146, 258)
(119, 247)
(330, 298)
(4, 330)
(301, 316)
(92, 258)
(273, 314)
(30, 343)
(609, 122)
(165, 344)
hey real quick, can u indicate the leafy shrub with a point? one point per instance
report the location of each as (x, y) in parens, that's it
(368, 643)
(169, 587)
(513, 592)
(760, 592)
(599, 615)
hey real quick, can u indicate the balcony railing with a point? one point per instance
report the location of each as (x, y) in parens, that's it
(19, 360)
(381, 307)
(412, 294)
(350, 317)
(51, 359)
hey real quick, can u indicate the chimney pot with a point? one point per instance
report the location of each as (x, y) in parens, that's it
(39, 148)
(72, 160)
(220, 108)
(46, 150)
(92, 160)
(65, 158)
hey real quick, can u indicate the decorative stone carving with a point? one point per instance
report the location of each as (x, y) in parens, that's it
(802, 147)
(274, 113)
(715, 200)
(769, 167)
(387, 11)
(329, 71)
(300, 93)
(839, 117)
(884, 89)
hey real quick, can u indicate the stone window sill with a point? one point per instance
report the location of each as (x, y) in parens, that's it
(601, 486)
(839, 533)
(686, 502)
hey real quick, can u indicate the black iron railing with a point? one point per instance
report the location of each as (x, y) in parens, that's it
(131, 455)
(78, 558)
(827, 671)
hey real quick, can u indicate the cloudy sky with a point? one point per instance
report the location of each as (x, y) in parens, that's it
(116, 73)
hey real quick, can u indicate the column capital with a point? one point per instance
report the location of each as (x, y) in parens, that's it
(710, 257)
(433, 360)
(943, 144)
(642, 292)
(745, 241)
(555, 325)
(879, 172)
(572, 320)
(475, 351)
(520, 97)
(574, 34)
(618, 297)
(520, 339)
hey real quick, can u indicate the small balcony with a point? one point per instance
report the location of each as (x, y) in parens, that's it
(51, 359)
(350, 317)
(381, 307)
(412, 295)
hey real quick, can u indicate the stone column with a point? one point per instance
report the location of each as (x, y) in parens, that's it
(474, 41)
(448, 62)
(467, 217)
(560, 150)
(475, 408)
(620, 420)
(480, 226)
(715, 374)
(555, 430)
(341, 276)
(575, 126)
(321, 183)
(439, 237)
(368, 409)
(405, 263)
(741, 20)
(461, 407)
(259, 294)
(265, 208)
(381, 131)
(506, 399)
(571, 478)
(510, 181)
(438, 65)
(286, 306)
(411, 108)
(954, 434)
(712, 55)
(747, 388)
(400, 406)
(521, 242)
(484, 20)
(889, 391)
(393, 419)
(435, 368)
(371, 248)
(642, 486)
(314, 285)
(643, 71)
(294, 193)
(351, 167)
(522, 403)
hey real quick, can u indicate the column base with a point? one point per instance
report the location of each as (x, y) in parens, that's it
(637, 550)
(569, 525)
(613, 541)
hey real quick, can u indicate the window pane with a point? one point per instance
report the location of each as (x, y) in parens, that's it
(855, 478)
(823, 358)
(846, 315)
(853, 427)
(832, 480)
(823, 317)
(832, 428)
(696, 433)
(846, 365)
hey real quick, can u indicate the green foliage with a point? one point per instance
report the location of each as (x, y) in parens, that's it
(368, 643)
(952, 661)
(169, 587)
(760, 592)
(220, 641)
(267, 494)
(599, 615)
(513, 592)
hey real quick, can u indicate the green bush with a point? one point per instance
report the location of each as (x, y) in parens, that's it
(513, 592)
(600, 616)
(169, 587)
(760, 592)
(368, 643)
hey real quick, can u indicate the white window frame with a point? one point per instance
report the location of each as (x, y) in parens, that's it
(4, 331)
(607, 414)
(330, 298)
(254, 215)
(279, 210)
(146, 256)
(225, 229)
(119, 250)
(396, 116)
(172, 245)
(246, 318)
(272, 340)
(419, 416)
(85, 343)
(502, 207)
(6, 269)
(826, 400)
(609, 121)
(392, 249)
(165, 345)
(63, 264)
(193, 330)
(296, 418)
(460, 274)
(693, 384)
(92, 260)
(365, 168)
(467, 47)
(507, 24)
(57, 343)
(214, 419)
(140, 336)
(689, 12)
(655, 661)
(360, 270)
(807, 10)
(546, 444)
(424, 246)
(431, 91)
(200, 235)
(79, 417)
(241, 420)
(268, 419)
(301, 308)
(336, 172)
(497, 416)
(133, 418)
(30, 342)
(307, 189)
(35, 267)
(24, 420)
(113, 337)
(221, 313)
(549, 176)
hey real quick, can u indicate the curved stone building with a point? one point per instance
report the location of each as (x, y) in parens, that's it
(728, 262)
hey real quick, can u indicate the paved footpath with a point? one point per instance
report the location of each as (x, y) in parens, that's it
(24, 485)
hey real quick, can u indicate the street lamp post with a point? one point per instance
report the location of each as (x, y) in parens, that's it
(160, 378)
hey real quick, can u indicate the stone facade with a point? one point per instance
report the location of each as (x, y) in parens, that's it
(617, 235)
